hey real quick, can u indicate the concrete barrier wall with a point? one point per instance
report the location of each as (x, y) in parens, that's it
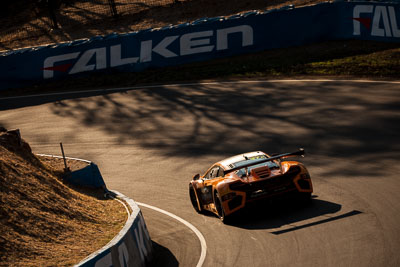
(132, 247)
(201, 40)
(88, 176)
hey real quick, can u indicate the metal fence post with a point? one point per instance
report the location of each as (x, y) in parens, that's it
(66, 169)
(51, 4)
(113, 8)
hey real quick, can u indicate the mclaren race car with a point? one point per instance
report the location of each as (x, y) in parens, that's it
(231, 184)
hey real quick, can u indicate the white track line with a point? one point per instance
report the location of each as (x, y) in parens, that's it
(194, 229)
(194, 84)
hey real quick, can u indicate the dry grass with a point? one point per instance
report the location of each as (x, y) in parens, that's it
(57, 164)
(32, 27)
(43, 221)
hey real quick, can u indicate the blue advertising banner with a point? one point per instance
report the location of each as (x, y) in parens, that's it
(204, 39)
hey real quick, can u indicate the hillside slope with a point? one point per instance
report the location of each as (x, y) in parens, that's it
(29, 25)
(43, 222)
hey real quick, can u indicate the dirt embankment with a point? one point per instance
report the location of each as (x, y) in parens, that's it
(43, 221)
(29, 24)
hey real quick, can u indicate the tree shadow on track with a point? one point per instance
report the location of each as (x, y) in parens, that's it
(8, 103)
(289, 215)
(327, 118)
(349, 123)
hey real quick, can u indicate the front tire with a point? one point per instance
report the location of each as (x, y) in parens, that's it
(193, 199)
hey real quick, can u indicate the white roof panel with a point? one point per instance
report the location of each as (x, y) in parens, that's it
(226, 162)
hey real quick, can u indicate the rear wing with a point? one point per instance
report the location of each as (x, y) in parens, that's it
(300, 152)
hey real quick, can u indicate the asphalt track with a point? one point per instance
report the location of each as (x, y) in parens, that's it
(149, 142)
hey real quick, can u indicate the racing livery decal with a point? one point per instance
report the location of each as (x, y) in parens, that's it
(379, 20)
(189, 43)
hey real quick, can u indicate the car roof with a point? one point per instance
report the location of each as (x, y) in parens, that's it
(227, 163)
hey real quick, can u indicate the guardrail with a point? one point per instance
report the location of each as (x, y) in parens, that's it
(204, 39)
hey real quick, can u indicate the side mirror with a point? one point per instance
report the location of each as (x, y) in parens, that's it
(196, 177)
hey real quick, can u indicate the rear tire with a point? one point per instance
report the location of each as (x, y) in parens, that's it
(193, 198)
(220, 210)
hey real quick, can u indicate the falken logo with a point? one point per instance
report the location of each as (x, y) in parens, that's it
(383, 22)
(103, 57)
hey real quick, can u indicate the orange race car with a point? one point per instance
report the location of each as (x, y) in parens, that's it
(229, 185)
